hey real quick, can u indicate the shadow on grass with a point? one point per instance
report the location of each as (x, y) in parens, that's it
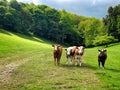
(87, 66)
(34, 38)
(113, 44)
(5, 32)
(84, 65)
(113, 70)
(28, 37)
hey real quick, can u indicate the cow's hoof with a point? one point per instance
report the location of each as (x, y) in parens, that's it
(70, 63)
(80, 64)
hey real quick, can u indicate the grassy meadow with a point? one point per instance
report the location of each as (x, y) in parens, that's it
(26, 63)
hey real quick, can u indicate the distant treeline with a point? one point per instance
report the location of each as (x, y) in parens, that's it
(59, 26)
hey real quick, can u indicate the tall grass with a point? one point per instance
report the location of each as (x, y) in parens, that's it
(39, 71)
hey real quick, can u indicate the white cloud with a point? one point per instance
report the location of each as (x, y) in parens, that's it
(36, 2)
(93, 2)
(63, 0)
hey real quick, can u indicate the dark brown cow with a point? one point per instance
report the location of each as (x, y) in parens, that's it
(57, 52)
(102, 56)
(79, 52)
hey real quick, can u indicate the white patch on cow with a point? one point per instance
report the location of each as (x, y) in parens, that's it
(55, 47)
(99, 52)
(69, 50)
(80, 49)
(102, 50)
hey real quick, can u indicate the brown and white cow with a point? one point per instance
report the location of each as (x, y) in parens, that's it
(57, 52)
(70, 53)
(79, 52)
(102, 56)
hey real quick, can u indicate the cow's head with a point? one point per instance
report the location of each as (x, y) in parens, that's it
(70, 50)
(102, 52)
(56, 46)
(81, 50)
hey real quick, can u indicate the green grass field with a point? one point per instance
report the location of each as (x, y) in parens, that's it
(26, 63)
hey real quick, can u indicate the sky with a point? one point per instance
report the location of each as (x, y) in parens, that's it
(89, 8)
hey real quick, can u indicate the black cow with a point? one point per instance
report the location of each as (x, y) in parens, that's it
(102, 56)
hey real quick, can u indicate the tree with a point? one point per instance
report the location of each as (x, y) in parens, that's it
(39, 23)
(2, 14)
(112, 21)
(103, 40)
(89, 29)
(3, 2)
(14, 4)
(53, 18)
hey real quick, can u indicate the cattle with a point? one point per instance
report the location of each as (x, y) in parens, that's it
(74, 53)
(57, 52)
(102, 56)
(70, 53)
(79, 52)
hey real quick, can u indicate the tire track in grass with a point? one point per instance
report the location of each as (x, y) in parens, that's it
(72, 77)
(6, 72)
(89, 79)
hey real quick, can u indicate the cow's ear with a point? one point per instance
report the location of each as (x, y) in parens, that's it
(83, 47)
(99, 50)
(52, 45)
(105, 50)
(76, 47)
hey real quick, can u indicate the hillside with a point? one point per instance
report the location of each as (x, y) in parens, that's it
(26, 63)
(13, 42)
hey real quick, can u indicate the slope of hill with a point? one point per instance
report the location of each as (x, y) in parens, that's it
(26, 63)
(12, 42)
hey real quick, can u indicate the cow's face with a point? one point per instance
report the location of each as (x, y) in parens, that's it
(102, 52)
(55, 47)
(69, 50)
(81, 50)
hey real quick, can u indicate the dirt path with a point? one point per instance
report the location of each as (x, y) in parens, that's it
(7, 70)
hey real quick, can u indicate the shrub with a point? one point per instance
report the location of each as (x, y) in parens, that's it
(103, 40)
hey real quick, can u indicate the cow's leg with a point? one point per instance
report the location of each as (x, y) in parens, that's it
(58, 61)
(71, 59)
(103, 62)
(98, 63)
(75, 60)
(67, 60)
(55, 61)
(80, 61)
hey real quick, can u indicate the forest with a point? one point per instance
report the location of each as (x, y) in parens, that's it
(60, 26)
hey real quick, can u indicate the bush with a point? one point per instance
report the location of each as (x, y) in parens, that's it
(103, 40)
